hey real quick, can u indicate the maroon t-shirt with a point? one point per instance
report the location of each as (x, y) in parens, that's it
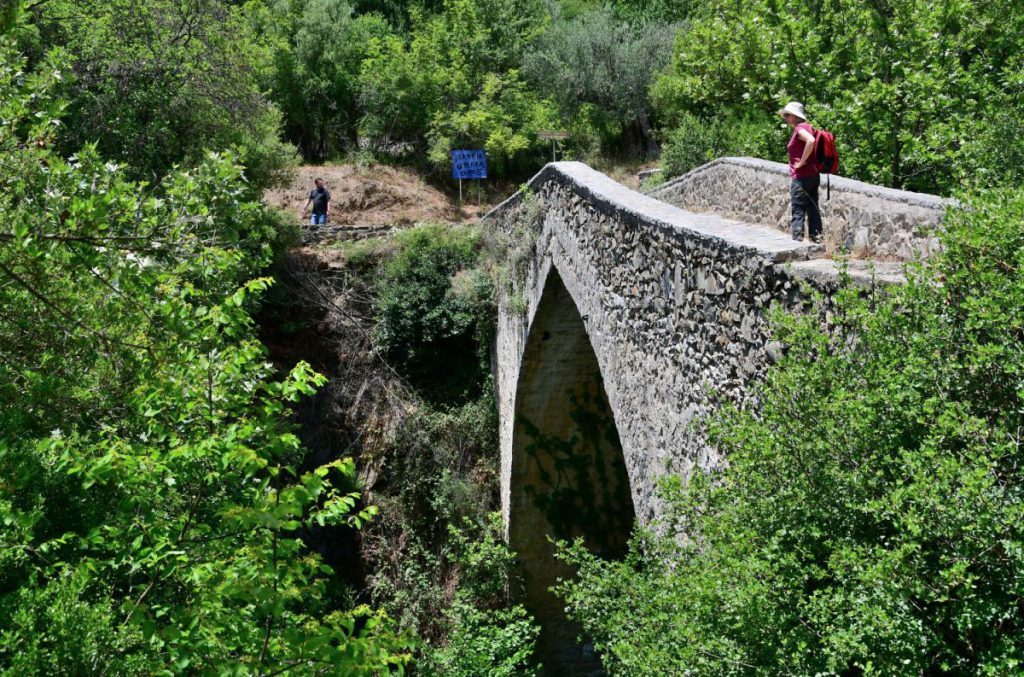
(795, 148)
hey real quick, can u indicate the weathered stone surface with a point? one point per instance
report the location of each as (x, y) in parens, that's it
(869, 221)
(825, 274)
(342, 232)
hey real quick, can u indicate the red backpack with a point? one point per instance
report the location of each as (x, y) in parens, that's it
(826, 157)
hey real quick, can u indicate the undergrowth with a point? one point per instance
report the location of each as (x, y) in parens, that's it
(435, 555)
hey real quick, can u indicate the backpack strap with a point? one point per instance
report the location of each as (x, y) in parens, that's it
(818, 152)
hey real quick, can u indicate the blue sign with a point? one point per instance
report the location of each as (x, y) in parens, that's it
(469, 164)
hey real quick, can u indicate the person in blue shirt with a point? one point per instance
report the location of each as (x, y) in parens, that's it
(320, 199)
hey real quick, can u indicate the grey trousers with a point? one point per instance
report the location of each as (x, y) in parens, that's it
(803, 195)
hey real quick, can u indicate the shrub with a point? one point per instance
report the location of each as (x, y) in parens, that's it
(497, 643)
(439, 562)
(435, 311)
(486, 635)
(695, 141)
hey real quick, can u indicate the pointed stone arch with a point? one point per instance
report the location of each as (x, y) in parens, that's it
(568, 476)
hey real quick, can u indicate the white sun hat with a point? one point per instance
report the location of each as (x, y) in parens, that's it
(794, 108)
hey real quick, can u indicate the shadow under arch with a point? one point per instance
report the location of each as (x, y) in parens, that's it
(568, 475)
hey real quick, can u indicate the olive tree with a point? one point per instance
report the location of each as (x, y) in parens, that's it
(599, 60)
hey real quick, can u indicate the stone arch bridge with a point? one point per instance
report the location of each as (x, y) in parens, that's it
(631, 317)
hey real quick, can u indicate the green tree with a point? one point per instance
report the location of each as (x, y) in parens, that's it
(870, 519)
(150, 491)
(319, 48)
(504, 119)
(453, 83)
(600, 60)
(920, 95)
(398, 93)
(155, 83)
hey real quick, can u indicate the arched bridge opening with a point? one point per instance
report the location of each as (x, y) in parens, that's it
(569, 477)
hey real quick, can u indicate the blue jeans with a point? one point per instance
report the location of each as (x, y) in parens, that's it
(318, 219)
(803, 194)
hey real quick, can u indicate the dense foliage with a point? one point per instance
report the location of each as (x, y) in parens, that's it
(870, 521)
(598, 69)
(155, 500)
(454, 82)
(414, 81)
(155, 83)
(696, 140)
(920, 95)
(149, 484)
(318, 48)
(435, 309)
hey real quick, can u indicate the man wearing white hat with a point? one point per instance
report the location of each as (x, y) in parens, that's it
(803, 188)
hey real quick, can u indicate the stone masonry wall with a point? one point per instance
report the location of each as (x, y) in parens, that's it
(869, 221)
(674, 304)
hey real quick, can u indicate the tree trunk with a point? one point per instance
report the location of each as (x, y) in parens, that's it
(647, 140)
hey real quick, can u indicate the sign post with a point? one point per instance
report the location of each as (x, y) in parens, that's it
(469, 164)
(554, 135)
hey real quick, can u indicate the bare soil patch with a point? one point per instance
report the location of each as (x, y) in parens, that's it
(370, 195)
(383, 195)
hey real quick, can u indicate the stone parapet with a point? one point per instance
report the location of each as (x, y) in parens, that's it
(608, 197)
(866, 220)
